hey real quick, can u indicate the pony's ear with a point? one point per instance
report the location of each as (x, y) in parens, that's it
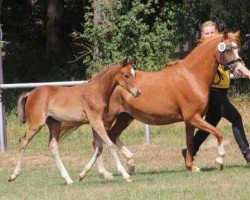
(225, 34)
(127, 61)
(237, 34)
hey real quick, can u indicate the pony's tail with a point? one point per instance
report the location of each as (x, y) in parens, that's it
(21, 106)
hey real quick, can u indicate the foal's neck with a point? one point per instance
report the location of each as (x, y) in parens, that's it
(107, 83)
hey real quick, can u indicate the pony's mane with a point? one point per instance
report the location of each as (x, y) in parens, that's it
(98, 75)
(172, 63)
(231, 36)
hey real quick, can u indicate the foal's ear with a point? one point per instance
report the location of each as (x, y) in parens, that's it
(127, 61)
(225, 34)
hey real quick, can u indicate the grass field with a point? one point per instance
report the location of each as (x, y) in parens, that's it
(160, 171)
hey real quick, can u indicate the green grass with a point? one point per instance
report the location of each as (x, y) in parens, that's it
(160, 172)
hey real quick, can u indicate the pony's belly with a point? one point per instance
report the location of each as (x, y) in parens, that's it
(156, 119)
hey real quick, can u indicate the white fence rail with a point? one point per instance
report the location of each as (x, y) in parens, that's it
(3, 137)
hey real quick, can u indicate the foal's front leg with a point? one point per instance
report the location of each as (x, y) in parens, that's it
(123, 120)
(99, 128)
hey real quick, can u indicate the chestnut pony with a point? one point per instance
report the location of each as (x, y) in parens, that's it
(177, 93)
(85, 103)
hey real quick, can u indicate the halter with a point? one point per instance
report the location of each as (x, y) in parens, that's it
(227, 64)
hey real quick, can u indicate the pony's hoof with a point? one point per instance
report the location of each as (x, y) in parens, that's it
(219, 163)
(218, 166)
(128, 179)
(131, 169)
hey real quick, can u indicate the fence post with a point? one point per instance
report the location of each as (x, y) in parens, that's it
(3, 139)
(147, 131)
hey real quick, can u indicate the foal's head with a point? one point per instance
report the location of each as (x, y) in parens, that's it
(126, 78)
(227, 54)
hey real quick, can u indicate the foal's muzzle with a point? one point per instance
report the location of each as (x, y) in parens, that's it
(135, 92)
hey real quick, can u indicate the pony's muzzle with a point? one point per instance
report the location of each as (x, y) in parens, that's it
(135, 92)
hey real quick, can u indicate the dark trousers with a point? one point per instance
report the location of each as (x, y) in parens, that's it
(219, 106)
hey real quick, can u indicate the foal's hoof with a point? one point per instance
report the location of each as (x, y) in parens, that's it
(196, 169)
(70, 182)
(81, 177)
(107, 175)
(10, 179)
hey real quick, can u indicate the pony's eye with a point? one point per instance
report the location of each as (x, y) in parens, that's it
(228, 51)
(126, 75)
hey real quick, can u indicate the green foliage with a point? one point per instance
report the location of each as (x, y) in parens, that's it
(149, 32)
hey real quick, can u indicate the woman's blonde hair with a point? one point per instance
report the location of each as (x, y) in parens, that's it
(208, 23)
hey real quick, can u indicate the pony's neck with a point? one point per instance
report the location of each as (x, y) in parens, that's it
(202, 63)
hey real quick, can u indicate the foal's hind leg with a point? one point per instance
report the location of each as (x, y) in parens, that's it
(54, 128)
(200, 123)
(23, 142)
(98, 152)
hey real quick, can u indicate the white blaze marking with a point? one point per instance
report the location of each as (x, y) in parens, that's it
(235, 50)
(132, 72)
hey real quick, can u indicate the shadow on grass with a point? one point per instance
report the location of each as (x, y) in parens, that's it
(231, 166)
(183, 170)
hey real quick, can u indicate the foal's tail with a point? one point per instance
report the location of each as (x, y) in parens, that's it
(21, 106)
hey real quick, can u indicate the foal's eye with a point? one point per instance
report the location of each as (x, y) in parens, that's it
(126, 75)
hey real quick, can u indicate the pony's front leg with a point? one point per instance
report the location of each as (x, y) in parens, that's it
(189, 141)
(200, 123)
(98, 126)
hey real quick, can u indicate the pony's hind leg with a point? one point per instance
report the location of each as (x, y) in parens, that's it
(128, 154)
(98, 152)
(54, 128)
(23, 142)
(200, 123)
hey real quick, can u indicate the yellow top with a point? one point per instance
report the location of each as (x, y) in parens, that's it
(222, 78)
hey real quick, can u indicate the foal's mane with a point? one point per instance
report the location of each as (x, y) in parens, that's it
(98, 75)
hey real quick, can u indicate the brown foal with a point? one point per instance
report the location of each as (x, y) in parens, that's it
(177, 93)
(82, 104)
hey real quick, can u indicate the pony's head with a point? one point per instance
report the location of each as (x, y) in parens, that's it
(227, 50)
(126, 77)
